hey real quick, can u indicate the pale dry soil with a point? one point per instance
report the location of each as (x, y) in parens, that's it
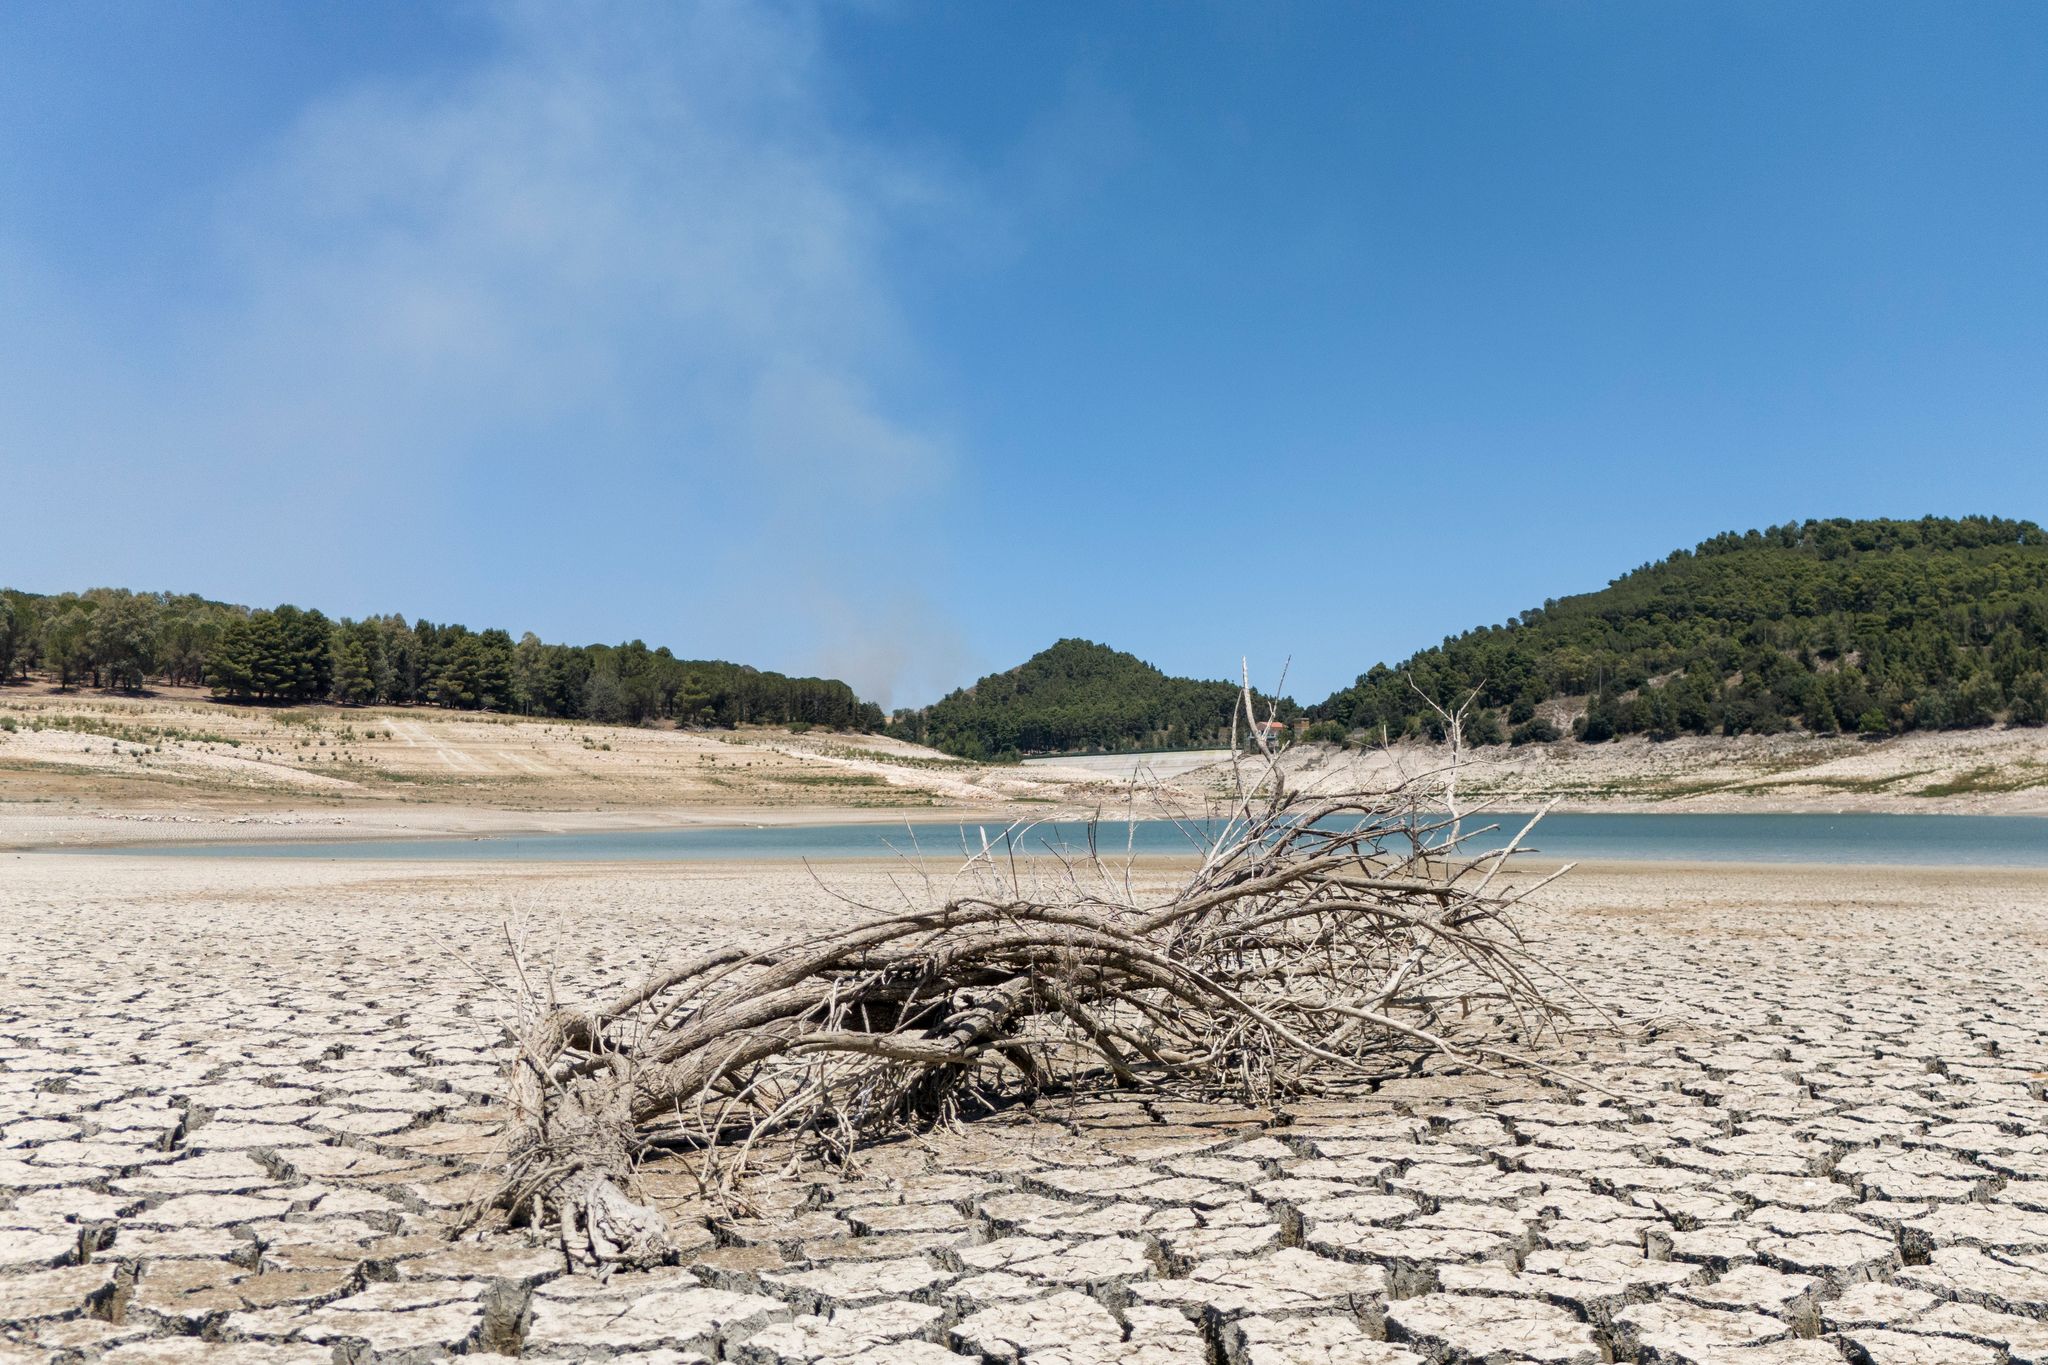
(238, 1100)
(83, 767)
(1986, 772)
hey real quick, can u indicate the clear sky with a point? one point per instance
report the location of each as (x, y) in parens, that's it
(897, 340)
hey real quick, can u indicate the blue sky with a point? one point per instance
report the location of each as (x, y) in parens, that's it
(898, 340)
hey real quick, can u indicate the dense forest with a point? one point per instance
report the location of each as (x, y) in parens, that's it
(1076, 697)
(111, 638)
(1877, 627)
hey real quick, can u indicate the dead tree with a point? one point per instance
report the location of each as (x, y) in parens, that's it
(1315, 938)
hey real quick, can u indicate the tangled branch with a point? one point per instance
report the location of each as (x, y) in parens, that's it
(1317, 938)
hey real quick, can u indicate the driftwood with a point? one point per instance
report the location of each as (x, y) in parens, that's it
(1318, 937)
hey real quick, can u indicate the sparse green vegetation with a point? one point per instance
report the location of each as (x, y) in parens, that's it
(892, 757)
(832, 779)
(147, 736)
(2017, 777)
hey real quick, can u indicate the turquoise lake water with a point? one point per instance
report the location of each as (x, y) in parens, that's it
(1970, 840)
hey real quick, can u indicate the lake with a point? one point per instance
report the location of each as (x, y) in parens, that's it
(1923, 840)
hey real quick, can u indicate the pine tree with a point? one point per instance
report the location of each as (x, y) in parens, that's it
(354, 682)
(10, 638)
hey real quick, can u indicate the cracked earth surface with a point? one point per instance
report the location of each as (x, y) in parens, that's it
(238, 1101)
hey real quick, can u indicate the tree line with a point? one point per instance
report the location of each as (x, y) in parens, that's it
(116, 639)
(1075, 697)
(1871, 626)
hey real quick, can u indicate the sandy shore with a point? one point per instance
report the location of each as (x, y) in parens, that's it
(26, 828)
(239, 1098)
(74, 767)
(1983, 772)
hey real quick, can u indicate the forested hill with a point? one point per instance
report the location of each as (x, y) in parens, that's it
(1875, 626)
(113, 638)
(1076, 697)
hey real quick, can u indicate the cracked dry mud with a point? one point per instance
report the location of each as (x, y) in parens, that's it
(238, 1101)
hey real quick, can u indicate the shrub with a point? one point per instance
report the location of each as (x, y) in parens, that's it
(2029, 700)
(1536, 731)
(1931, 710)
(1483, 727)
(1976, 702)
(1596, 726)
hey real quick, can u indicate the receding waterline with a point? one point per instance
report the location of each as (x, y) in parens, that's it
(1852, 840)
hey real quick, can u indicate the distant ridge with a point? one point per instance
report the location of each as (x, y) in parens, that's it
(1075, 697)
(1874, 626)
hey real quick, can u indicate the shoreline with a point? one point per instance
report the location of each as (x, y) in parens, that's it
(75, 763)
(428, 823)
(1677, 869)
(23, 830)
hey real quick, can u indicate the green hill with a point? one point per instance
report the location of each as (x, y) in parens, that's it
(1076, 697)
(1878, 626)
(113, 638)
